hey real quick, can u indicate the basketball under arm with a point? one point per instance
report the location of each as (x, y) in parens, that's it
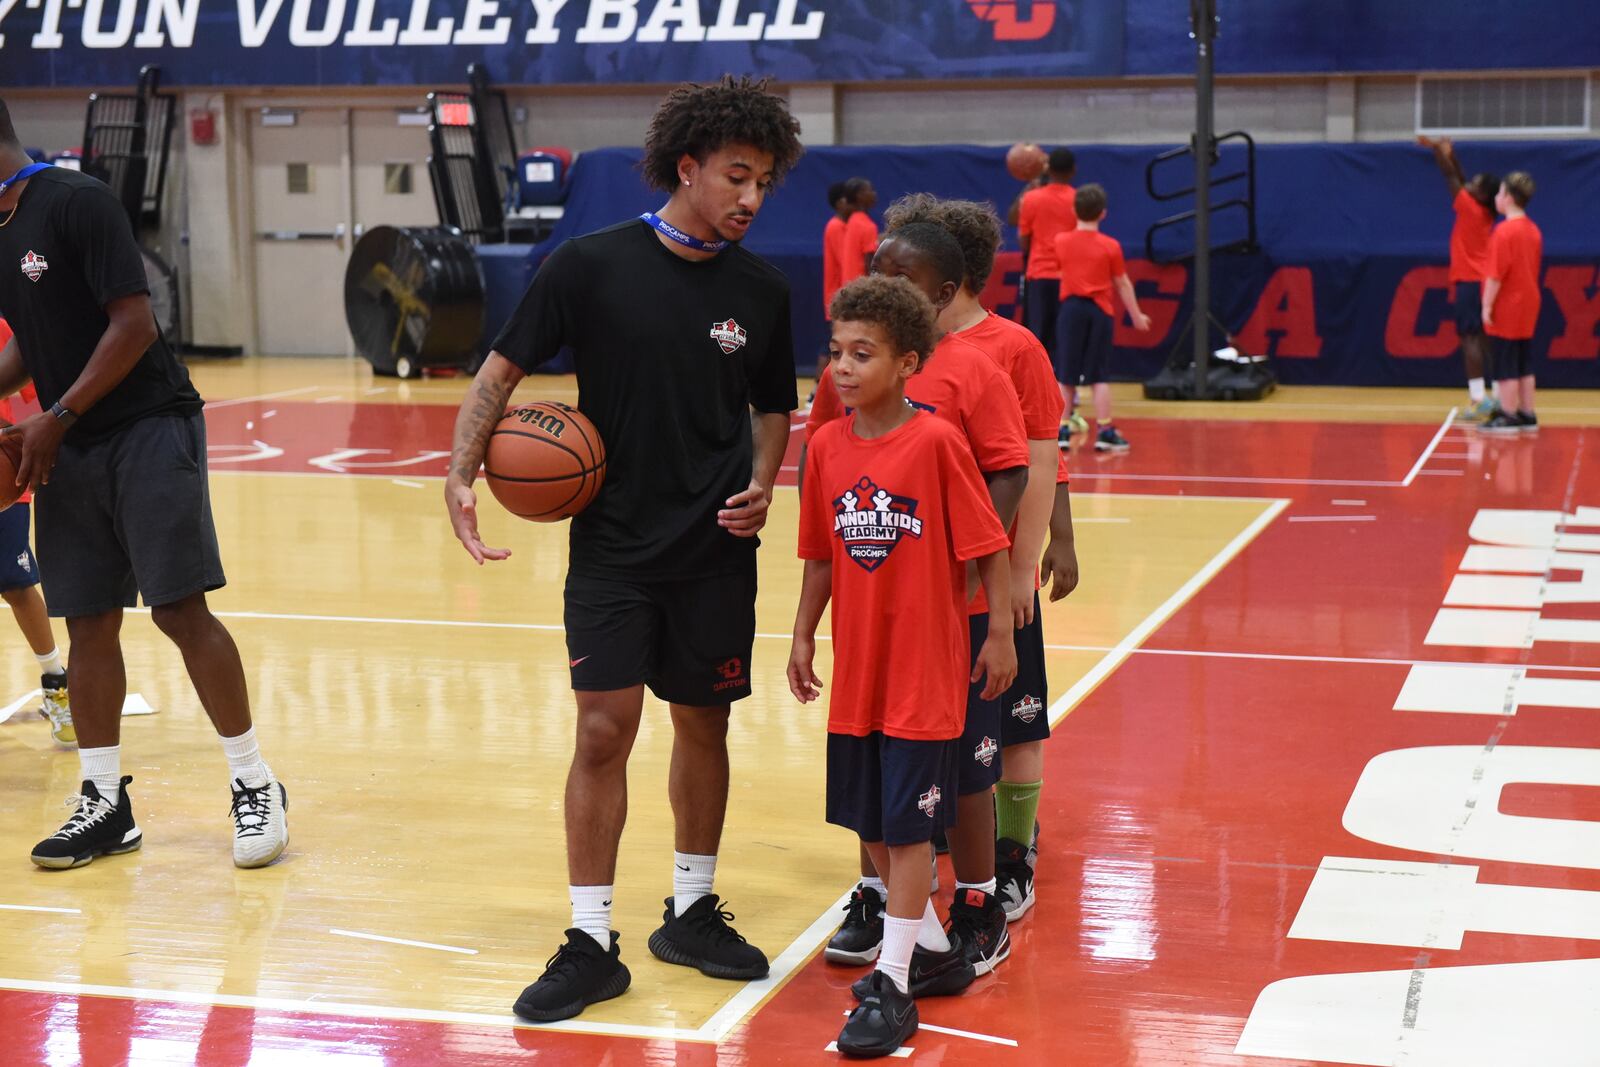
(480, 410)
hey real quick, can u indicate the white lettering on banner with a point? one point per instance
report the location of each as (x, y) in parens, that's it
(686, 13)
(255, 25)
(544, 22)
(49, 35)
(599, 30)
(473, 30)
(5, 9)
(362, 32)
(727, 27)
(179, 17)
(784, 27)
(93, 15)
(417, 32)
(301, 35)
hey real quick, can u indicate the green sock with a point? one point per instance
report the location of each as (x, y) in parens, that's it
(1016, 805)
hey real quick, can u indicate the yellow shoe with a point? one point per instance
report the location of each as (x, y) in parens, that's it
(57, 709)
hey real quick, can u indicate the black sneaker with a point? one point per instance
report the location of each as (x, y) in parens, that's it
(883, 1021)
(1013, 869)
(1109, 440)
(701, 938)
(933, 974)
(1527, 422)
(96, 828)
(1064, 437)
(579, 974)
(860, 936)
(980, 922)
(1501, 423)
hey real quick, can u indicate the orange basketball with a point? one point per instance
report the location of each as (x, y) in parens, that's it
(1026, 161)
(546, 461)
(10, 460)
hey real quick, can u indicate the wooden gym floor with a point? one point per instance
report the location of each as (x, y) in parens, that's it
(1255, 597)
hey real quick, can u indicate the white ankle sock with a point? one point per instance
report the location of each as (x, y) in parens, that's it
(930, 932)
(103, 767)
(1475, 389)
(50, 662)
(899, 941)
(982, 887)
(876, 885)
(691, 879)
(591, 911)
(244, 757)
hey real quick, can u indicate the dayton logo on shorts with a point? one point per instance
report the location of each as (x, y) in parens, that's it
(730, 336)
(871, 522)
(986, 751)
(928, 803)
(34, 266)
(732, 672)
(1009, 25)
(1027, 709)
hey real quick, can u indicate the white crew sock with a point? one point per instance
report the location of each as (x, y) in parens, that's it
(899, 941)
(244, 758)
(103, 767)
(875, 884)
(930, 932)
(591, 912)
(982, 887)
(50, 662)
(1475, 389)
(691, 879)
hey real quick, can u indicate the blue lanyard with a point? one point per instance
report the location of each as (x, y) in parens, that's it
(22, 175)
(667, 229)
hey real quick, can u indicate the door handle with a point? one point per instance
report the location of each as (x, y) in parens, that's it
(335, 234)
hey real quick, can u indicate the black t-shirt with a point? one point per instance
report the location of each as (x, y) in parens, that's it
(671, 355)
(67, 252)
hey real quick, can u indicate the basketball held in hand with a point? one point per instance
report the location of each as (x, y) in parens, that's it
(546, 461)
(1026, 161)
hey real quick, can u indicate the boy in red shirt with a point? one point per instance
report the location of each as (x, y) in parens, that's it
(1043, 213)
(861, 233)
(1511, 304)
(1091, 267)
(892, 510)
(833, 237)
(1473, 204)
(19, 586)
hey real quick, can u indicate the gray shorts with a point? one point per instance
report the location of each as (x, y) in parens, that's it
(128, 516)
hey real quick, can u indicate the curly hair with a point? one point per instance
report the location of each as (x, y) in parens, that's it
(700, 119)
(896, 307)
(974, 225)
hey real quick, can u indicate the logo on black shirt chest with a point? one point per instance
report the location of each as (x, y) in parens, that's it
(729, 335)
(34, 266)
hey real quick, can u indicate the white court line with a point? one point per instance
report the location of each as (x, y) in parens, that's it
(328, 399)
(1333, 518)
(262, 396)
(1426, 452)
(1119, 652)
(1348, 503)
(404, 941)
(408, 483)
(32, 907)
(1231, 480)
(1291, 657)
(967, 1034)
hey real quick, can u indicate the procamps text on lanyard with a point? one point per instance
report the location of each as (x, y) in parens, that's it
(22, 175)
(668, 230)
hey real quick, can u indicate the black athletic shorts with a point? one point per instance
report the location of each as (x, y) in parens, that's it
(1511, 358)
(129, 516)
(1082, 352)
(1024, 710)
(889, 789)
(18, 568)
(1469, 308)
(979, 755)
(1040, 297)
(688, 639)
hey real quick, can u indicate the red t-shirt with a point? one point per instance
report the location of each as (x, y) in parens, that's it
(1469, 239)
(860, 241)
(1515, 248)
(1019, 354)
(1089, 261)
(898, 516)
(27, 396)
(832, 239)
(1046, 212)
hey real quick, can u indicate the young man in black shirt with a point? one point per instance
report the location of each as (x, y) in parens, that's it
(686, 366)
(118, 463)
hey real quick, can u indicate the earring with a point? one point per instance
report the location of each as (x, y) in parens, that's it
(686, 181)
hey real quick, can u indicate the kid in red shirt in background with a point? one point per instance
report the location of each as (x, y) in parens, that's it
(1511, 305)
(833, 237)
(893, 508)
(19, 585)
(1091, 267)
(1473, 204)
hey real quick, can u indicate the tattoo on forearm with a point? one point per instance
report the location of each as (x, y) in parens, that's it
(474, 426)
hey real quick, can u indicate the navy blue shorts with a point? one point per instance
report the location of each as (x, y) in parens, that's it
(1082, 352)
(1024, 710)
(1469, 308)
(889, 789)
(1511, 358)
(979, 762)
(1039, 306)
(18, 568)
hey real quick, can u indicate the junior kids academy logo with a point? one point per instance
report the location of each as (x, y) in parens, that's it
(871, 521)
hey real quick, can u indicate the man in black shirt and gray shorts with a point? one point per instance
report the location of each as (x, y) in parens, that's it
(686, 367)
(117, 461)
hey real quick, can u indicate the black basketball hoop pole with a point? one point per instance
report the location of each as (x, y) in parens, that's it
(1203, 23)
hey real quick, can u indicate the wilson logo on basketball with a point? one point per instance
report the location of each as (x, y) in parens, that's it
(34, 266)
(550, 423)
(871, 521)
(928, 802)
(729, 335)
(1027, 709)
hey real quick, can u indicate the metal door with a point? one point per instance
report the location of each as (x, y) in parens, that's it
(388, 155)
